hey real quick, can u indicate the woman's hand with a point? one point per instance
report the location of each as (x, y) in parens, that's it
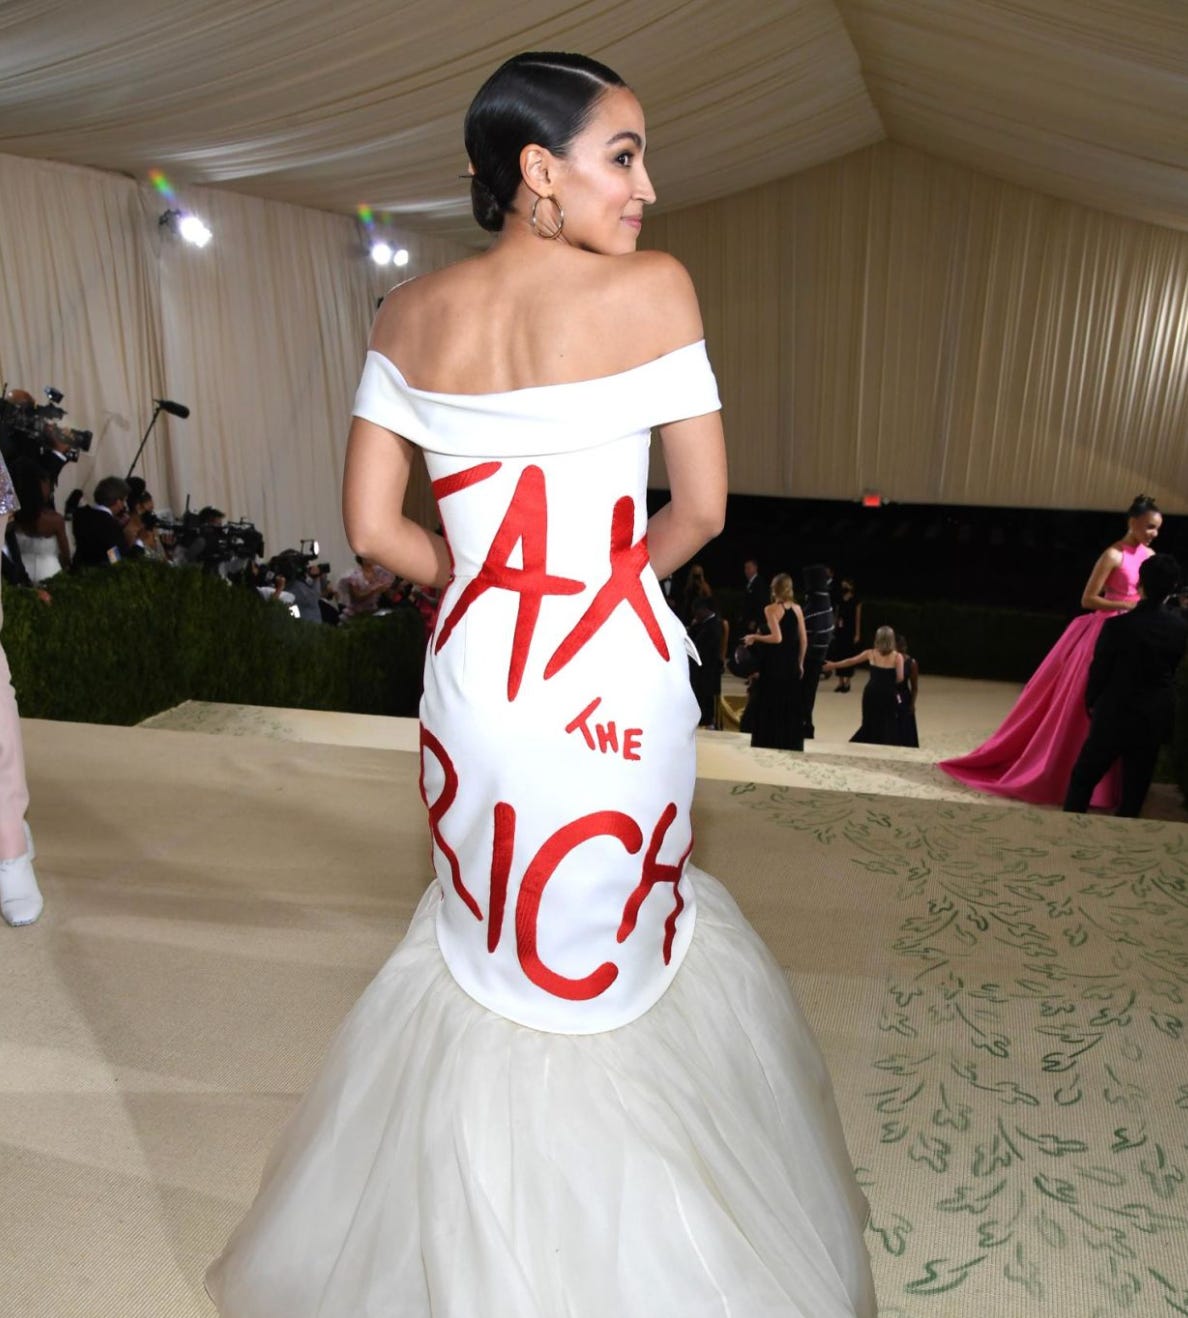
(750, 638)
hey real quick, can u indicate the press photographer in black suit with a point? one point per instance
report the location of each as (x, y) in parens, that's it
(1131, 691)
(103, 532)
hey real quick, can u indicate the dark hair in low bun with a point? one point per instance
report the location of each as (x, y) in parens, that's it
(1143, 503)
(544, 97)
(486, 208)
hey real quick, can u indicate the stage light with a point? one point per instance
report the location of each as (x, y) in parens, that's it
(193, 230)
(400, 257)
(381, 253)
(186, 226)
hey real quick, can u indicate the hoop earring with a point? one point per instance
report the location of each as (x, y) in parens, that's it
(547, 233)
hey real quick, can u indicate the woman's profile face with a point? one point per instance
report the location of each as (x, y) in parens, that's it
(1146, 527)
(601, 180)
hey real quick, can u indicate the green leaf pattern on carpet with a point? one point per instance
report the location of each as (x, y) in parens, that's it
(1029, 1106)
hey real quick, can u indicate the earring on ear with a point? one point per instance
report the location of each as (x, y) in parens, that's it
(538, 229)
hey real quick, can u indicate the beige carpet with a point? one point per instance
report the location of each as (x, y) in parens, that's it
(1000, 994)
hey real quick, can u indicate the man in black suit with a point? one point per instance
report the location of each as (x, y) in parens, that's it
(756, 597)
(1131, 692)
(100, 533)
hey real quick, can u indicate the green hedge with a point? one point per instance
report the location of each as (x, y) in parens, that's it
(120, 644)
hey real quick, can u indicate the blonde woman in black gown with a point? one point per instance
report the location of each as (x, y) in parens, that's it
(880, 696)
(779, 720)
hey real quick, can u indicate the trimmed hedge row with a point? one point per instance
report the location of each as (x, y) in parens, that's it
(120, 644)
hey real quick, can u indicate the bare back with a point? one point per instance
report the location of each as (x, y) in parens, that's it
(510, 319)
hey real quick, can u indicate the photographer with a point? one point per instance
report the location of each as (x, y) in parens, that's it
(302, 579)
(20, 898)
(103, 533)
(31, 431)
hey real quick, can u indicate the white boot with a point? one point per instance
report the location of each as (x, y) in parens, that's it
(20, 897)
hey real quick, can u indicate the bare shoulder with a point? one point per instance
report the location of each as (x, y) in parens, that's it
(660, 288)
(418, 297)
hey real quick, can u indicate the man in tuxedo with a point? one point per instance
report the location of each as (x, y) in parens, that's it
(101, 535)
(1131, 691)
(756, 598)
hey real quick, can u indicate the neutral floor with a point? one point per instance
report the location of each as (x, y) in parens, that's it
(999, 992)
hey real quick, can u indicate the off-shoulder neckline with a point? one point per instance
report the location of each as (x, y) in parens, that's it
(533, 388)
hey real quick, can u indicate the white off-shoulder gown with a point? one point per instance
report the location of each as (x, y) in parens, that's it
(580, 1087)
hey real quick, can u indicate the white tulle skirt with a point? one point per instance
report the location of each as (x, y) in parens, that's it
(450, 1164)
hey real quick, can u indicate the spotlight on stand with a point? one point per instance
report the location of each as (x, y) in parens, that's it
(186, 226)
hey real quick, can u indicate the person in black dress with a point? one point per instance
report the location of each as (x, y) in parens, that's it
(880, 697)
(708, 631)
(909, 689)
(847, 632)
(777, 715)
(818, 623)
(1131, 692)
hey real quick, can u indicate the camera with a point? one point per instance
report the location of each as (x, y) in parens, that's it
(208, 543)
(31, 430)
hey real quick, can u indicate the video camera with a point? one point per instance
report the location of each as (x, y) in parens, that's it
(209, 543)
(31, 430)
(293, 564)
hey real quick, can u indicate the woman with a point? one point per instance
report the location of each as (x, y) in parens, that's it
(847, 631)
(1031, 755)
(20, 897)
(777, 720)
(562, 1103)
(880, 696)
(40, 528)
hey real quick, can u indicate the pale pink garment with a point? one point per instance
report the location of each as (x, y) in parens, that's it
(1032, 754)
(14, 794)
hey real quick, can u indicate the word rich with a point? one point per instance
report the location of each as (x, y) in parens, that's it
(540, 869)
(526, 523)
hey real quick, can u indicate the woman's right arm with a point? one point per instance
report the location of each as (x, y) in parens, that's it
(378, 464)
(852, 662)
(1092, 596)
(774, 636)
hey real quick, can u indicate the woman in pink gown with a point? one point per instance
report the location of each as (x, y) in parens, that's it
(1031, 755)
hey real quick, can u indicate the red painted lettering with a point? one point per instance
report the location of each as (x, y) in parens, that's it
(501, 859)
(602, 823)
(608, 737)
(654, 873)
(579, 721)
(525, 523)
(439, 807)
(627, 562)
(631, 740)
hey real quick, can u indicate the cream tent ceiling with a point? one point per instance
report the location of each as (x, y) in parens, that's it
(360, 101)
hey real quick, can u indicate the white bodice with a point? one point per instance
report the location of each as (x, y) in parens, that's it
(557, 718)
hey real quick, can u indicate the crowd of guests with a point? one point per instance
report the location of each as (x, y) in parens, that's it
(120, 522)
(1086, 730)
(787, 644)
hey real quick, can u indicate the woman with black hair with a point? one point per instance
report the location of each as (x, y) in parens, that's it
(580, 1085)
(1032, 754)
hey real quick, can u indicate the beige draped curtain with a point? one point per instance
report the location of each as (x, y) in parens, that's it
(261, 334)
(893, 322)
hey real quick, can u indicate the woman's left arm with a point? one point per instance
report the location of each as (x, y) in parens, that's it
(802, 631)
